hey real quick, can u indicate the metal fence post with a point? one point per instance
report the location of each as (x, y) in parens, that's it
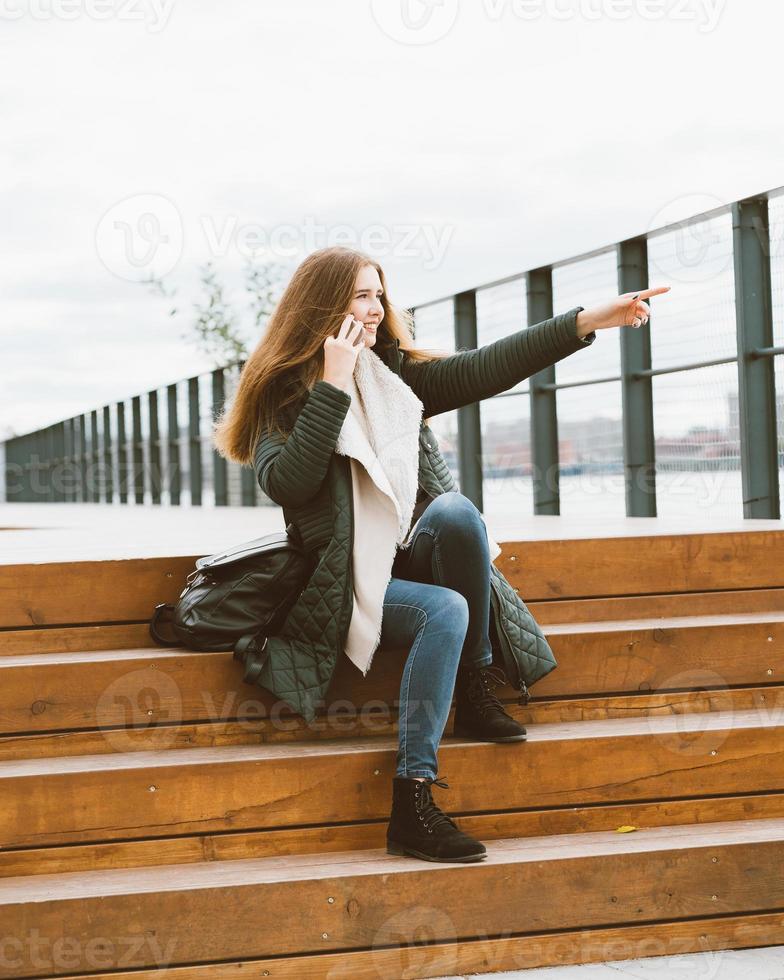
(47, 463)
(58, 468)
(15, 472)
(95, 457)
(639, 448)
(36, 470)
(154, 443)
(194, 440)
(69, 490)
(137, 453)
(469, 426)
(219, 471)
(756, 375)
(545, 470)
(31, 468)
(11, 474)
(26, 446)
(248, 483)
(107, 455)
(122, 454)
(173, 455)
(84, 460)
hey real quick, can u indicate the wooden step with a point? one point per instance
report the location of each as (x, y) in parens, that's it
(112, 689)
(471, 956)
(153, 794)
(250, 729)
(103, 636)
(662, 605)
(155, 806)
(369, 901)
(363, 834)
(74, 639)
(58, 592)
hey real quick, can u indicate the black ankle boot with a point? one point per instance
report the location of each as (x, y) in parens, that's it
(478, 712)
(418, 827)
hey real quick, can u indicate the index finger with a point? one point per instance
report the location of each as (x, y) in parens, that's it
(646, 293)
(343, 328)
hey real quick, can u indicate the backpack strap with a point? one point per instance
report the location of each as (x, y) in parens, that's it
(251, 650)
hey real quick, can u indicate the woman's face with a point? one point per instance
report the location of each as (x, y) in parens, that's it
(366, 304)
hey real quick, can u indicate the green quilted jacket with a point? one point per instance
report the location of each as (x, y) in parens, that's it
(312, 484)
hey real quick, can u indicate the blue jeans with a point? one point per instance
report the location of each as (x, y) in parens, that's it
(438, 604)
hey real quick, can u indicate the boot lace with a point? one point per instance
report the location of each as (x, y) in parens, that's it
(481, 681)
(430, 813)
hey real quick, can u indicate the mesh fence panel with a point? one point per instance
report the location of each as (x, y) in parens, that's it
(590, 443)
(695, 412)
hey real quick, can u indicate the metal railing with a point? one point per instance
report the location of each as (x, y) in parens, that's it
(154, 448)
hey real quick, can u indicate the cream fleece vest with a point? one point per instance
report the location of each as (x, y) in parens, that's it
(380, 436)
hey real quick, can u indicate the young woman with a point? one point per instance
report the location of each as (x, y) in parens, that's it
(331, 410)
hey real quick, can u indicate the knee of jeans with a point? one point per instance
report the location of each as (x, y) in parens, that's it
(456, 507)
(454, 608)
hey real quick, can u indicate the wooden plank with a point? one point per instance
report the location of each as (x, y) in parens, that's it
(140, 688)
(661, 605)
(82, 593)
(210, 911)
(52, 639)
(241, 787)
(601, 567)
(238, 845)
(60, 593)
(471, 956)
(251, 730)
(55, 639)
(73, 639)
(665, 654)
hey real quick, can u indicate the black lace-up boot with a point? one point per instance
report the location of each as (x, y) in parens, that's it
(478, 712)
(418, 827)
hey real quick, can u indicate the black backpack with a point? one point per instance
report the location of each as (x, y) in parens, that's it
(235, 599)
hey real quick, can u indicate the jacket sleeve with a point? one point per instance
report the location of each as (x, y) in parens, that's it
(470, 376)
(291, 470)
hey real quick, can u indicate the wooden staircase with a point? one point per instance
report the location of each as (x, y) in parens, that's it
(156, 811)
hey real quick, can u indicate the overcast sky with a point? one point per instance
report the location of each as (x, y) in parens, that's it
(459, 141)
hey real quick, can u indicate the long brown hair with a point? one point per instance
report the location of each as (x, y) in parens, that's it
(289, 359)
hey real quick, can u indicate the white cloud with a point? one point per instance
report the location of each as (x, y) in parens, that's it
(532, 140)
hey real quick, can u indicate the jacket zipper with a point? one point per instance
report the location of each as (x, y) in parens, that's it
(522, 687)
